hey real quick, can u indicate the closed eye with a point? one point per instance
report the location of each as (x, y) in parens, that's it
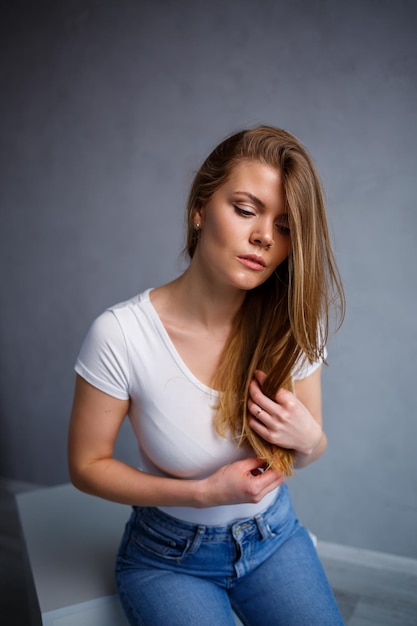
(242, 212)
(284, 230)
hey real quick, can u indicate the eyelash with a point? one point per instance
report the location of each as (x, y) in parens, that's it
(242, 212)
(284, 230)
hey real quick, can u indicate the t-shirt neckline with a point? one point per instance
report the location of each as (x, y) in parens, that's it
(171, 346)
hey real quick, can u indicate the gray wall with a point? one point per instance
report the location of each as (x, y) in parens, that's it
(107, 107)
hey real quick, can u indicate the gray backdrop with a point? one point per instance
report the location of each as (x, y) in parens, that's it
(107, 107)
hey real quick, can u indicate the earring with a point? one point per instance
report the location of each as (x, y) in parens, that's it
(197, 226)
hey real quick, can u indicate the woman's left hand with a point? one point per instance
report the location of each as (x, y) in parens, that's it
(285, 421)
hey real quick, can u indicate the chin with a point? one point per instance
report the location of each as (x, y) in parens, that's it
(248, 285)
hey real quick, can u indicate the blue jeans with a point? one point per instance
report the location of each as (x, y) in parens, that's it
(172, 573)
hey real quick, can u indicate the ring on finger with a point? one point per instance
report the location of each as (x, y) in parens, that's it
(259, 411)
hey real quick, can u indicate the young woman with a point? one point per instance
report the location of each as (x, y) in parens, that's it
(219, 373)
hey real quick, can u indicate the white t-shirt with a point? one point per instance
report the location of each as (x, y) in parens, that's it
(127, 353)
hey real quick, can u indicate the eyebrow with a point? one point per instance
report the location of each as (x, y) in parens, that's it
(283, 217)
(253, 198)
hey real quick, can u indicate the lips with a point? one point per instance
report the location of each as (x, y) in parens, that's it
(253, 261)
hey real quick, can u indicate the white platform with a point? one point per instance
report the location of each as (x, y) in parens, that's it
(72, 541)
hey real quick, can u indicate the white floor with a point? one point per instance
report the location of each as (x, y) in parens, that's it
(372, 588)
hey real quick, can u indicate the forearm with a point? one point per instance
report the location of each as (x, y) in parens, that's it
(235, 483)
(302, 460)
(116, 481)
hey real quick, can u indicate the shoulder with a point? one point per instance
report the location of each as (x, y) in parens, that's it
(125, 308)
(303, 368)
(116, 320)
(104, 357)
(119, 324)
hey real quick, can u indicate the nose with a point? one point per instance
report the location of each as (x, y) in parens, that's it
(263, 236)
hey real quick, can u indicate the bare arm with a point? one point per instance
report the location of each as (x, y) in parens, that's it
(308, 392)
(293, 420)
(96, 419)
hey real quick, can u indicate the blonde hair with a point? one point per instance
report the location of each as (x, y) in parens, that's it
(286, 319)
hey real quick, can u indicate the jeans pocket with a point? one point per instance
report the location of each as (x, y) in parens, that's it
(159, 542)
(281, 518)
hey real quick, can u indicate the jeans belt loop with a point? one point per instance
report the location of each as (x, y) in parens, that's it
(198, 538)
(263, 527)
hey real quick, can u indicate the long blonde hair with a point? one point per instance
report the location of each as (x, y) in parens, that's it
(286, 319)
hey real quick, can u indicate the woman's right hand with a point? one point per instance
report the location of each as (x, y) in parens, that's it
(240, 482)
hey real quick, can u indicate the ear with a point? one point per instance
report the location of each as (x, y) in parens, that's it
(198, 218)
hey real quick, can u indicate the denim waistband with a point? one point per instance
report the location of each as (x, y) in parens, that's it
(257, 523)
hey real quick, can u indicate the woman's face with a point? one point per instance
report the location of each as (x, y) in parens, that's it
(244, 233)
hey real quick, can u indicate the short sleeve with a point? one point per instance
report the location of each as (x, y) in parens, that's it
(303, 368)
(103, 359)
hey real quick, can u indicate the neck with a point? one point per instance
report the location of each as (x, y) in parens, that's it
(211, 305)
